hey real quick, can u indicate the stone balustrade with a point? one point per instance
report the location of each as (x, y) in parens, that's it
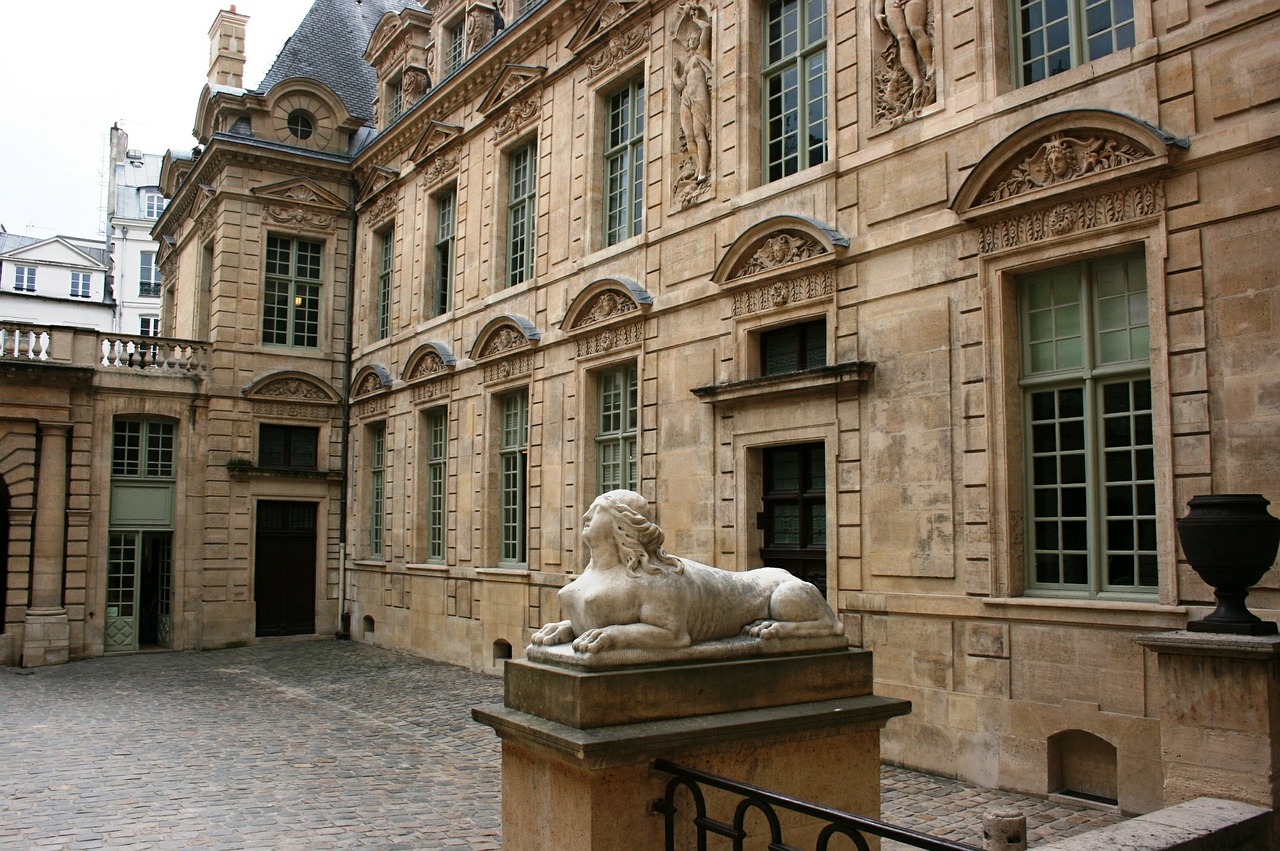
(83, 347)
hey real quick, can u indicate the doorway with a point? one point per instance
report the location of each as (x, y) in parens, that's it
(285, 568)
(139, 591)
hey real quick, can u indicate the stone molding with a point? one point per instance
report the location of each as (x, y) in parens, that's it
(1119, 206)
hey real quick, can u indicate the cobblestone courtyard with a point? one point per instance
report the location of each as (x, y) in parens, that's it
(307, 744)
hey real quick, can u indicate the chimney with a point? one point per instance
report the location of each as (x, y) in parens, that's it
(226, 49)
(119, 143)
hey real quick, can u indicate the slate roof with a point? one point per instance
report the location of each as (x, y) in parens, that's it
(329, 46)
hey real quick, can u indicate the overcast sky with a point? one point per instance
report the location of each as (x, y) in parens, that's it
(70, 69)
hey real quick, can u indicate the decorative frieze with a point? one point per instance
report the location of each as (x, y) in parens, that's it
(780, 250)
(781, 293)
(293, 388)
(1108, 208)
(291, 411)
(430, 390)
(509, 367)
(372, 407)
(609, 339)
(1061, 158)
(618, 48)
(300, 217)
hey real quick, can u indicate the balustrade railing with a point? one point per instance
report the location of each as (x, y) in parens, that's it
(19, 341)
(767, 804)
(87, 348)
(158, 353)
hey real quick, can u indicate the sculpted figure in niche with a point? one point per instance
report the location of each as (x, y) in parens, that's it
(633, 594)
(692, 76)
(910, 48)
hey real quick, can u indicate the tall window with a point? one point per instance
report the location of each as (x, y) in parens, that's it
(795, 510)
(513, 451)
(377, 488)
(624, 164)
(1090, 453)
(80, 284)
(382, 308)
(1052, 36)
(442, 289)
(153, 205)
(148, 275)
(291, 295)
(616, 430)
(287, 447)
(793, 348)
(395, 98)
(437, 447)
(142, 449)
(24, 279)
(795, 86)
(454, 40)
(521, 213)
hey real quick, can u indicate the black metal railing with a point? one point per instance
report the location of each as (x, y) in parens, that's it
(835, 822)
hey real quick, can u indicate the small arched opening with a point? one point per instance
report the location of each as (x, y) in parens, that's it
(1082, 765)
(366, 626)
(501, 651)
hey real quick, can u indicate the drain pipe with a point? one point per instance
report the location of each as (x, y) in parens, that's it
(344, 616)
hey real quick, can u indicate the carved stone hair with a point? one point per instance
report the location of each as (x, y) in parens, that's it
(639, 539)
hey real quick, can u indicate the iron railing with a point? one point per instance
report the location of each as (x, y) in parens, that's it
(835, 822)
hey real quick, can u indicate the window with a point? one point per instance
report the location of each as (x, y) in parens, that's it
(291, 296)
(795, 511)
(521, 212)
(24, 279)
(437, 447)
(1090, 452)
(454, 40)
(793, 348)
(624, 164)
(153, 204)
(395, 98)
(142, 448)
(300, 124)
(149, 326)
(795, 86)
(442, 289)
(284, 447)
(1052, 36)
(80, 284)
(382, 310)
(513, 453)
(377, 488)
(148, 276)
(616, 430)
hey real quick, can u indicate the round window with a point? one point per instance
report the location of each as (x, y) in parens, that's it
(300, 124)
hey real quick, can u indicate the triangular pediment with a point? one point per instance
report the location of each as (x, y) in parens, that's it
(299, 190)
(512, 80)
(437, 135)
(54, 250)
(604, 16)
(378, 178)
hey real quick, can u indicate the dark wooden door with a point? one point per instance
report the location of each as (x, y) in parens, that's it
(285, 568)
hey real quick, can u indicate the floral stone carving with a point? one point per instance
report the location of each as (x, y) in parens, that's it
(634, 595)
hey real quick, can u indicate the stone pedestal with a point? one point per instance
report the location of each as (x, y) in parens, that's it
(46, 638)
(578, 744)
(1219, 717)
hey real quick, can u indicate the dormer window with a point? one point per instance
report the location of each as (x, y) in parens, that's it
(152, 204)
(300, 124)
(454, 41)
(395, 98)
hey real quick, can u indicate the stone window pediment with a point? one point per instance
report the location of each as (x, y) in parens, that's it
(435, 138)
(504, 347)
(431, 360)
(370, 380)
(607, 315)
(777, 248)
(512, 81)
(292, 394)
(605, 23)
(300, 203)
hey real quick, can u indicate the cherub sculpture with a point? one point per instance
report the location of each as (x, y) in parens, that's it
(633, 594)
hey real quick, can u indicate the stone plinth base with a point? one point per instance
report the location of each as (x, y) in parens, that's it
(589, 785)
(1219, 716)
(46, 638)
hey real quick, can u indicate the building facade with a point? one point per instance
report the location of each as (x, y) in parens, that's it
(61, 280)
(134, 202)
(948, 310)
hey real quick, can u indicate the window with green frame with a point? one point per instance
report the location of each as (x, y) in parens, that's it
(513, 453)
(1089, 441)
(521, 212)
(382, 308)
(616, 429)
(291, 293)
(142, 448)
(446, 204)
(624, 164)
(437, 431)
(377, 488)
(1052, 36)
(795, 86)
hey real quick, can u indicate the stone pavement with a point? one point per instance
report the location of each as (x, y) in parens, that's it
(307, 744)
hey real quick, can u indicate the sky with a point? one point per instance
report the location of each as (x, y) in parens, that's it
(71, 69)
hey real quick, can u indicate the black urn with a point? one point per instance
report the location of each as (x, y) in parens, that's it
(1230, 540)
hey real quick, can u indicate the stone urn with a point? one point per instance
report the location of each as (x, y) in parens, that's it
(1230, 541)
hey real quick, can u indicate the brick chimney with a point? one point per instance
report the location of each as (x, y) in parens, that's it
(226, 49)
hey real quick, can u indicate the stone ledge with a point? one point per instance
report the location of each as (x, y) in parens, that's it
(737, 647)
(1185, 643)
(1205, 824)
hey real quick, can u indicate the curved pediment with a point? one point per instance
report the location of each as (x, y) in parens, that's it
(428, 361)
(291, 386)
(369, 380)
(779, 245)
(1064, 151)
(604, 301)
(504, 335)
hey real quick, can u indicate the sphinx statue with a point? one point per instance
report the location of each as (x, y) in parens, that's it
(633, 595)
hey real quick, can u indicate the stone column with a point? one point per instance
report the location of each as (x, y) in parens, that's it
(47, 633)
(578, 746)
(1219, 717)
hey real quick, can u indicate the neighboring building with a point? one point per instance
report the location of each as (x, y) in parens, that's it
(134, 202)
(949, 311)
(61, 280)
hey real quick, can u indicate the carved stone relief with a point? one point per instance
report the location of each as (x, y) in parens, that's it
(430, 390)
(606, 305)
(503, 340)
(480, 29)
(1107, 208)
(430, 364)
(414, 82)
(693, 77)
(371, 407)
(780, 250)
(803, 288)
(371, 383)
(1061, 158)
(903, 69)
(442, 165)
(619, 47)
(292, 411)
(300, 217)
(382, 209)
(293, 388)
(610, 339)
(519, 114)
(509, 367)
